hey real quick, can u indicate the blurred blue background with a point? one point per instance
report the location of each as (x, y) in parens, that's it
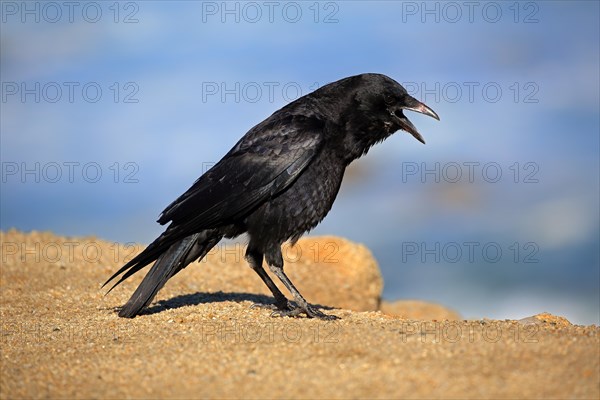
(111, 110)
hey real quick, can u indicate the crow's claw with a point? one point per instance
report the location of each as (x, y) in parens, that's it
(309, 311)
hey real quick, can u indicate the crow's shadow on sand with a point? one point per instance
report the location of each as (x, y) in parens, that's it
(197, 298)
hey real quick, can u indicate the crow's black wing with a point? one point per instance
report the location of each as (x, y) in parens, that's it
(262, 164)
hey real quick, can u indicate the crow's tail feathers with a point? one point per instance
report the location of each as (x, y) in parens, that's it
(170, 259)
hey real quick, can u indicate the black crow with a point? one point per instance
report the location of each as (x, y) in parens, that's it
(278, 182)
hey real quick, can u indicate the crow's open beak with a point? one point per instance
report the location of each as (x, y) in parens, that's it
(414, 105)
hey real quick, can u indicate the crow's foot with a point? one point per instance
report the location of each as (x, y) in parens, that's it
(308, 310)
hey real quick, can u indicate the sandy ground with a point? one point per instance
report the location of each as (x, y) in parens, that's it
(60, 337)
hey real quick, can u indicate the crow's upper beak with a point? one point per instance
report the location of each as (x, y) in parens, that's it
(414, 105)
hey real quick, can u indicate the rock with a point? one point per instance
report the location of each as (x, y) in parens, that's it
(327, 270)
(545, 318)
(415, 309)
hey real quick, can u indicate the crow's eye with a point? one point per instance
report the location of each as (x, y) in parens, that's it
(389, 99)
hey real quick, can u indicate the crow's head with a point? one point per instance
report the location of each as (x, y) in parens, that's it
(382, 102)
(397, 100)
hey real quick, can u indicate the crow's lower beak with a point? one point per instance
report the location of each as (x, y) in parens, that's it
(414, 105)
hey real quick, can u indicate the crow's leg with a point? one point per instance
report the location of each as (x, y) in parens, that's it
(255, 259)
(275, 262)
